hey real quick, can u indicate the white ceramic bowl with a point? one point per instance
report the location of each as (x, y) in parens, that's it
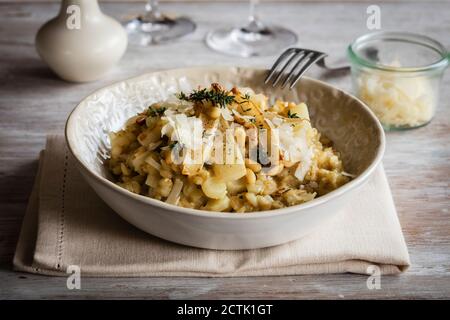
(350, 124)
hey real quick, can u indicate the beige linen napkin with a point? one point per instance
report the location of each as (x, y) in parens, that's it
(68, 224)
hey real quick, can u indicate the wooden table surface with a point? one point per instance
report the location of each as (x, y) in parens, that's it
(33, 103)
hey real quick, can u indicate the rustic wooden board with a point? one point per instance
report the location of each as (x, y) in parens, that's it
(33, 103)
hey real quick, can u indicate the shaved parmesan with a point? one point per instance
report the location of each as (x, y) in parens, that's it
(174, 195)
(186, 130)
(350, 175)
(226, 114)
(208, 140)
(153, 163)
(295, 147)
(245, 117)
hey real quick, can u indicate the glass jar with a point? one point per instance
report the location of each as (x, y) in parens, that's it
(398, 75)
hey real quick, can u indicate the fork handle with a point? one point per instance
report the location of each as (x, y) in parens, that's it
(321, 63)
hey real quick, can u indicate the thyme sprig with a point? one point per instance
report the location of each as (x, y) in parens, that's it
(153, 112)
(217, 97)
(292, 115)
(245, 98)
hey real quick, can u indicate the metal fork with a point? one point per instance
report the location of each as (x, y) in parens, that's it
(304, 59)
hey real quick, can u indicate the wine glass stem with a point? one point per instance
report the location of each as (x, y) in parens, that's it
(254, 24)
(152, 10)
(252, 10)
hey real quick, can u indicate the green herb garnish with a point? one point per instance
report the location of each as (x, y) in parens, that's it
(215, 96)
(182, 96)
(245, 98)
(292, 115)
(153, 112)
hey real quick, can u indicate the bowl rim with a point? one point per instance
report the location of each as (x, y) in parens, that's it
(353, 184)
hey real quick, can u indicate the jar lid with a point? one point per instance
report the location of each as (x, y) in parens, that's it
(398, 51)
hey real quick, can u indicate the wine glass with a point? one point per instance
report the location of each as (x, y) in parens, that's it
(253, 39)
(153, 26)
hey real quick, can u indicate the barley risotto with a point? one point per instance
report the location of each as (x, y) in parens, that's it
(225, 150)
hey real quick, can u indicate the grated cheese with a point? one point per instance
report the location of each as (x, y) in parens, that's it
(396, 100)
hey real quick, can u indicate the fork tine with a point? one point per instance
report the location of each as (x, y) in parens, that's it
(306, 59)
(314, 58)
(279, 60)
(300, 53)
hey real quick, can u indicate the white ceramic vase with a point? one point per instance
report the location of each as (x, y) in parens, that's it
(81, 43)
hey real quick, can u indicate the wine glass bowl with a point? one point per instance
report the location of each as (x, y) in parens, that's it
(253, 39)
(153, 26)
